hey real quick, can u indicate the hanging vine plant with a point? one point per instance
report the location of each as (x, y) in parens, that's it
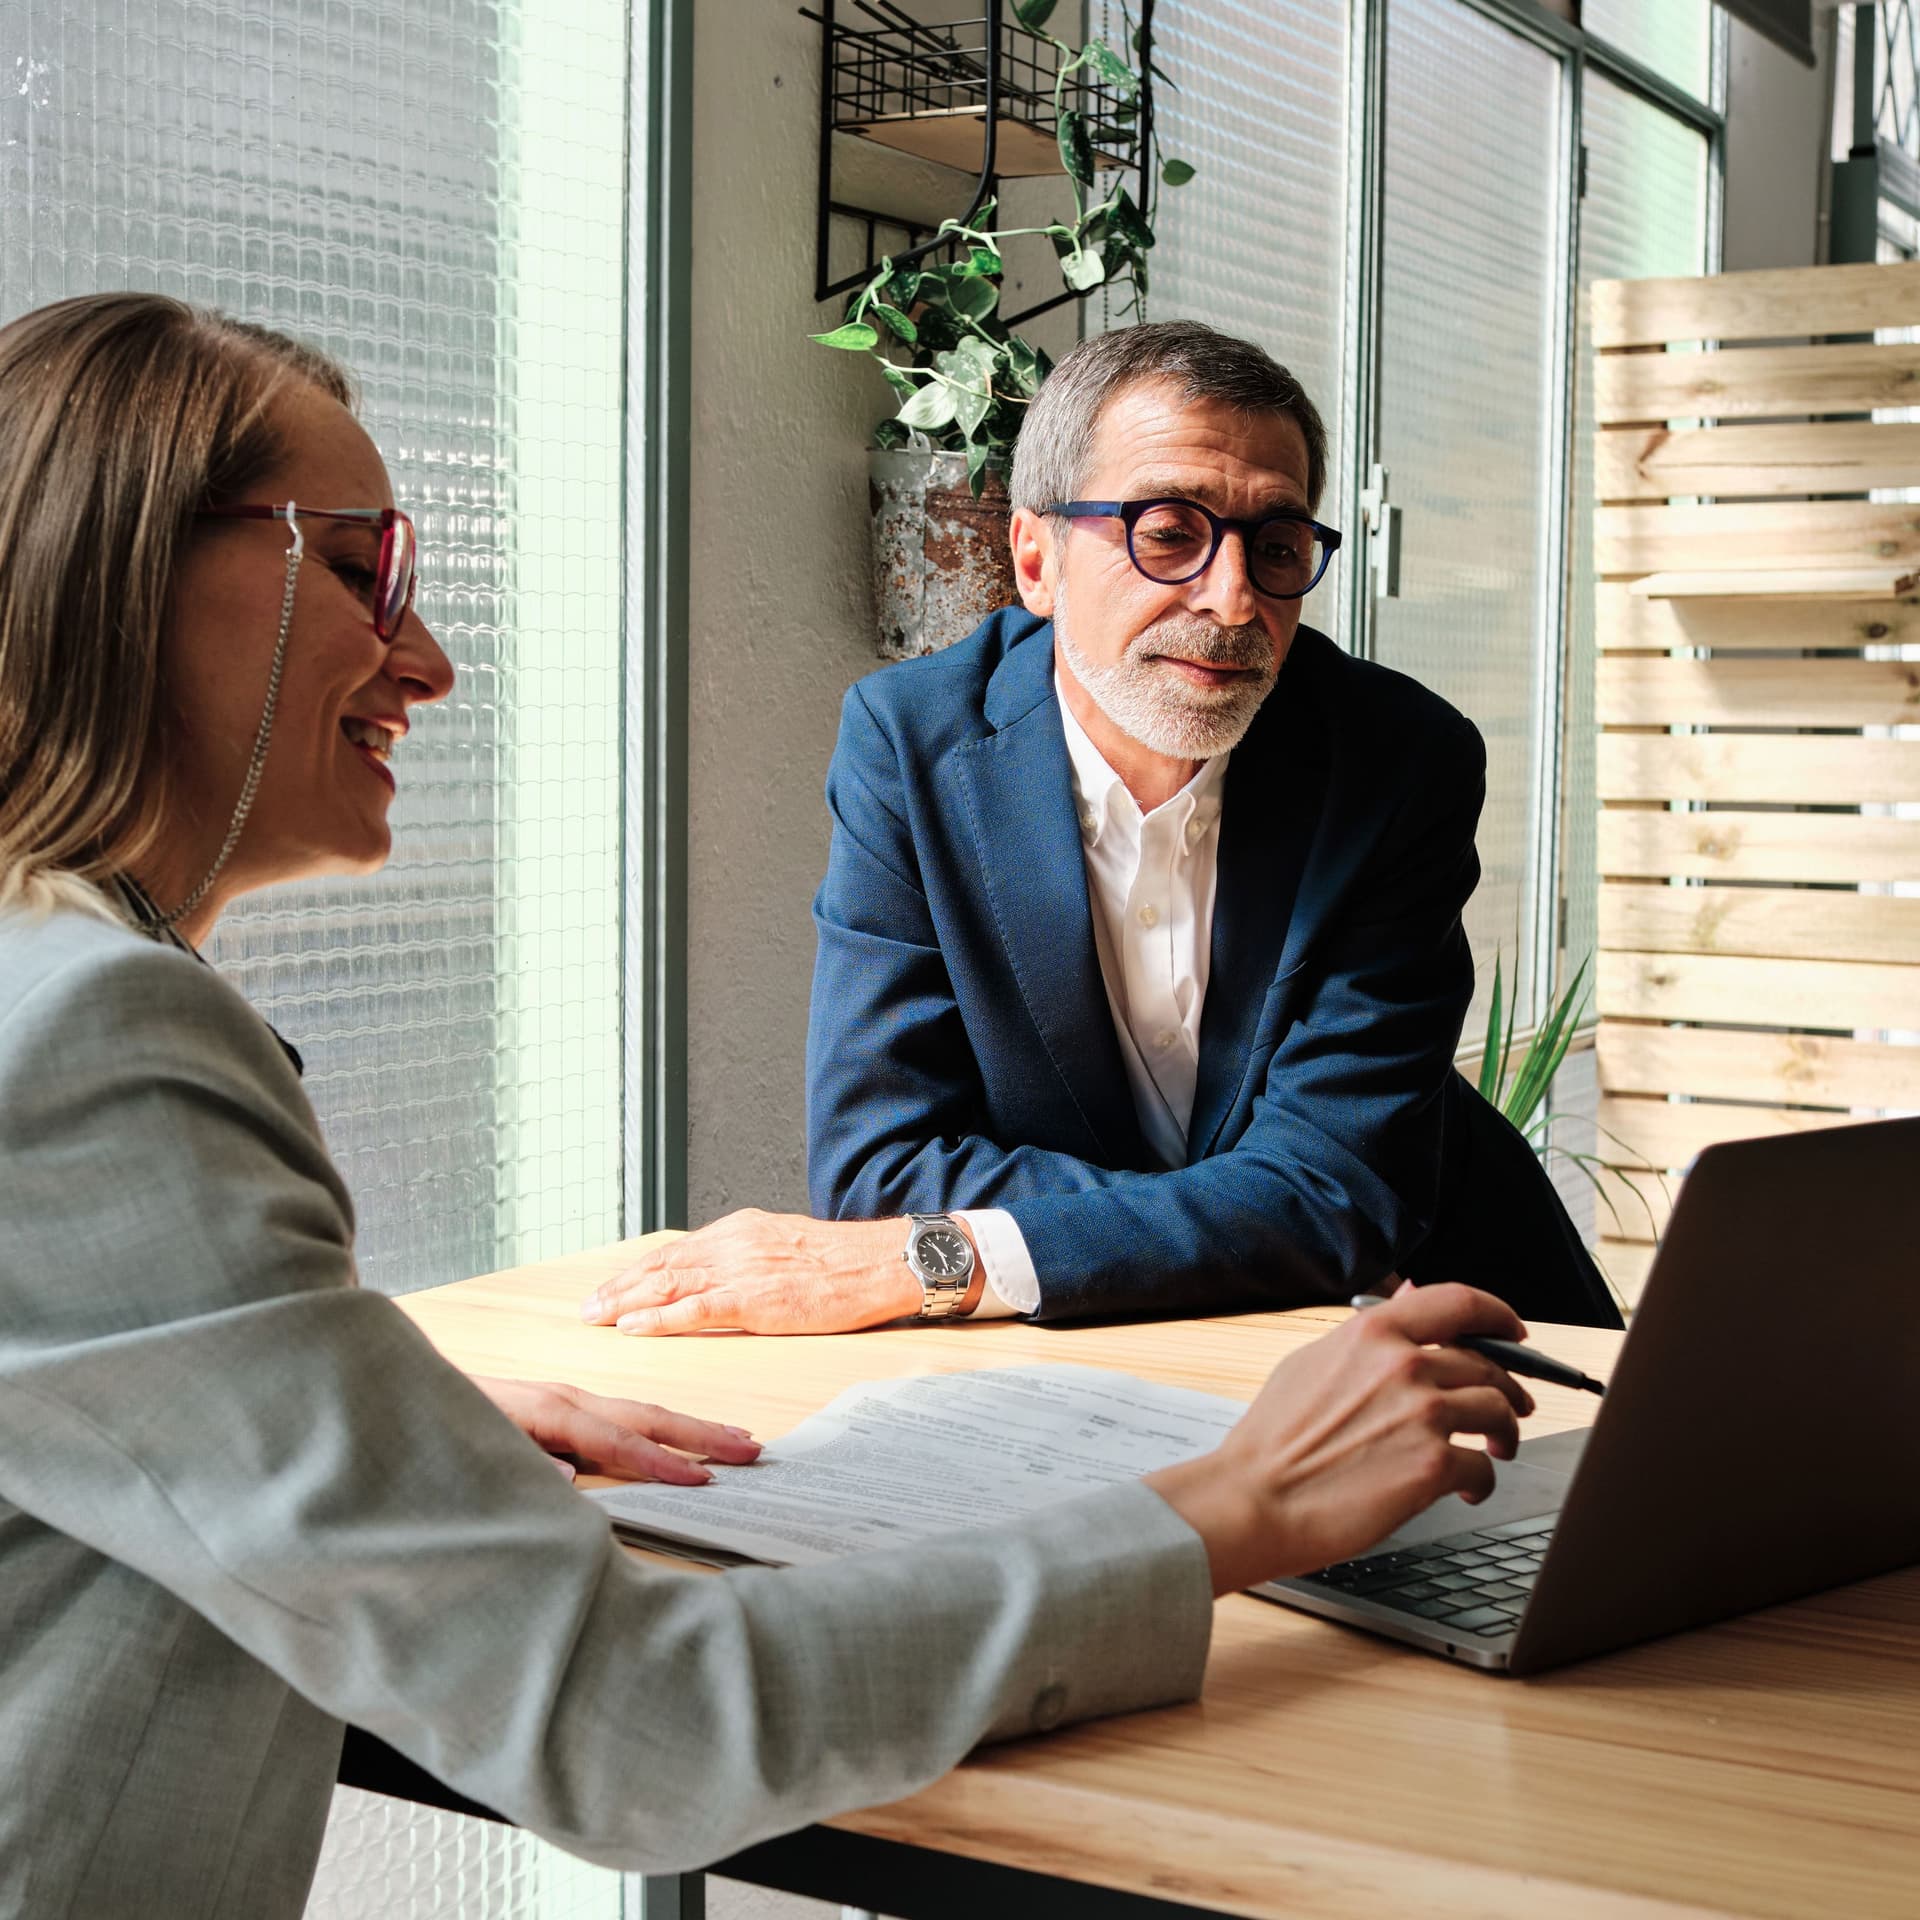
(962, 377)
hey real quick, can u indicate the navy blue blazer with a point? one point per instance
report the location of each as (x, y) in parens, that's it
(961, 1052)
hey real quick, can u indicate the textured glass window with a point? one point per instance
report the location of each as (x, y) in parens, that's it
(1644, 216)
(1469, 387)
(1673, 37)
(433, 190)
(1256, 243)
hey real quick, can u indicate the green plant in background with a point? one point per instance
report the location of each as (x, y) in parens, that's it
(963, 378)
(1520, 1088)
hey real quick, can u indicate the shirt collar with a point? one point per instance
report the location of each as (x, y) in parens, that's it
(1098, 791)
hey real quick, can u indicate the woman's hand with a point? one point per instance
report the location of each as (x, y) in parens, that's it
(1352, 1436)
(624, 1437)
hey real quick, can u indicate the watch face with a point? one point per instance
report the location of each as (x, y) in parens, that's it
(943, 1251)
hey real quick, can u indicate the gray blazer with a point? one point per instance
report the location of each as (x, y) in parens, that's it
(243, 1501)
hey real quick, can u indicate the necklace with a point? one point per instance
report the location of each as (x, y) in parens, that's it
(158, 927)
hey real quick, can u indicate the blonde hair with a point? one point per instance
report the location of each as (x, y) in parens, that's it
(121, 416)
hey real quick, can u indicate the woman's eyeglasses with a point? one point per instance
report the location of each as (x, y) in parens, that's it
(393, 579)
(1174, 541)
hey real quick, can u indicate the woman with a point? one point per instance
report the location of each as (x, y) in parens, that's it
(241, 1500)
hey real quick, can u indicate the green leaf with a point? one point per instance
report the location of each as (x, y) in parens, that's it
(978, 453)
(971, 359)
(1111, 68)
(1490, 1052)
(902, 327)
(899, 379)
(1082, 268)
(1076, 150)
(970, 408)
(1124, 218)
(1547, 1050)
(983, 258)
(890, 436)
(1175, 173)
(901, 287)
(1023, 365)
(1034, 14)
(931, 407)
(973, 298)
(856, 337)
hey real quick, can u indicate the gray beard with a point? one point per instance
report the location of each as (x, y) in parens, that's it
(1153, 704)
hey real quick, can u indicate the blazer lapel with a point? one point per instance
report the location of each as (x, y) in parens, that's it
(1270, 820)
(1017, 786)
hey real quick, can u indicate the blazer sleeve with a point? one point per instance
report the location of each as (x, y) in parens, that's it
(1335, 1177)
(895, 1103)
(192, 1384)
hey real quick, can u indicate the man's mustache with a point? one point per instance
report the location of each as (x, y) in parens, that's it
(1206, 641)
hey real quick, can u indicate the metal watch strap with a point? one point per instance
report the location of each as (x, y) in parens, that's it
(942, 1295)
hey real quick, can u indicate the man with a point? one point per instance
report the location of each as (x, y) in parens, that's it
(1140, 962)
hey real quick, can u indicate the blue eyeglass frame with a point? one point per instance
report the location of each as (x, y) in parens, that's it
(1128, 513)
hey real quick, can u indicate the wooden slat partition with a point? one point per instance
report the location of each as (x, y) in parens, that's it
(1631, 622)
(1759, 699)
(1729, 692)
(1759, 382)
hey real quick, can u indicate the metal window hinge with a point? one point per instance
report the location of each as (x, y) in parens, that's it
(1382, 520)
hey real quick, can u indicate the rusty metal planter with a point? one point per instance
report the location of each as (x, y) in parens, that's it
(940, 558)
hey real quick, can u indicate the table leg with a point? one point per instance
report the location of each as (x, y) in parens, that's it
(665, 1896)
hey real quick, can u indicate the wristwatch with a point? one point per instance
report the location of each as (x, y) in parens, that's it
(942, 1259)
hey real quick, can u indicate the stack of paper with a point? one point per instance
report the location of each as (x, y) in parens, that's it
(897, 1461)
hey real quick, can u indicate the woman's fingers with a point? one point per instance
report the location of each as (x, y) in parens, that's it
(1435, 1315)
(733, 1445)
(1450, 1367)
(1486, 1411)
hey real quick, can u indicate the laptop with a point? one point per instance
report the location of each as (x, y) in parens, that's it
(1757, 1441)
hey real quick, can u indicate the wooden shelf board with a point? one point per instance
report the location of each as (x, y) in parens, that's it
(1786, 583)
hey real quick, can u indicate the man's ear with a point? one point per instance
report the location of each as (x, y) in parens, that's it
(1031, 539)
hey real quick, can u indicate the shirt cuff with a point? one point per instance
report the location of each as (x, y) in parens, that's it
(1011, 1285)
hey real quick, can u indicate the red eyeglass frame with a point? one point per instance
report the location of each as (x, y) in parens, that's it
(397, 573)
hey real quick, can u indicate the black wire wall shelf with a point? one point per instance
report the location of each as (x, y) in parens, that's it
(976, 95)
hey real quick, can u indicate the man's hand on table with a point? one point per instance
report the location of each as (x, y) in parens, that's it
(1352, 1436)
(624, 1437)
(756, 1272)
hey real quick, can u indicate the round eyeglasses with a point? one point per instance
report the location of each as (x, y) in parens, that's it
(393, 573)
(1173, 541)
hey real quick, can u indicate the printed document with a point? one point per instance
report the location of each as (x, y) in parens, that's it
(897, 1461)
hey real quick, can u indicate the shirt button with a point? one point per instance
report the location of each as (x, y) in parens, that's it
(1195, 828)
(1164, 1038)
(1149, 916)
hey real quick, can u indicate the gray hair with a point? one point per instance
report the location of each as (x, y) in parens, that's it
(1056, 439)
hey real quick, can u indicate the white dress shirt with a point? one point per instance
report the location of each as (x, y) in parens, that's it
(1150, 883)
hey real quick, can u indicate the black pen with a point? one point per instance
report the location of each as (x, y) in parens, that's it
(1509, 1354)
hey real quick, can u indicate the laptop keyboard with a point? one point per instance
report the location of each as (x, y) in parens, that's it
(1476, 1582)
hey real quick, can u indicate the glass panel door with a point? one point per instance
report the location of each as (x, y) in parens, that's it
(1470, 410)
(1256, 243)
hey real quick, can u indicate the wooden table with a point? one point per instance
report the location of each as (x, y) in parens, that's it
(1766, 1767)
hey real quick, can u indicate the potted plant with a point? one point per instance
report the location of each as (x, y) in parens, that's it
(961, 377)
(1519, 1089)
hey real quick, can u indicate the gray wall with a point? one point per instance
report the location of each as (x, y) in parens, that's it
(1777, 136)
(781, 620)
